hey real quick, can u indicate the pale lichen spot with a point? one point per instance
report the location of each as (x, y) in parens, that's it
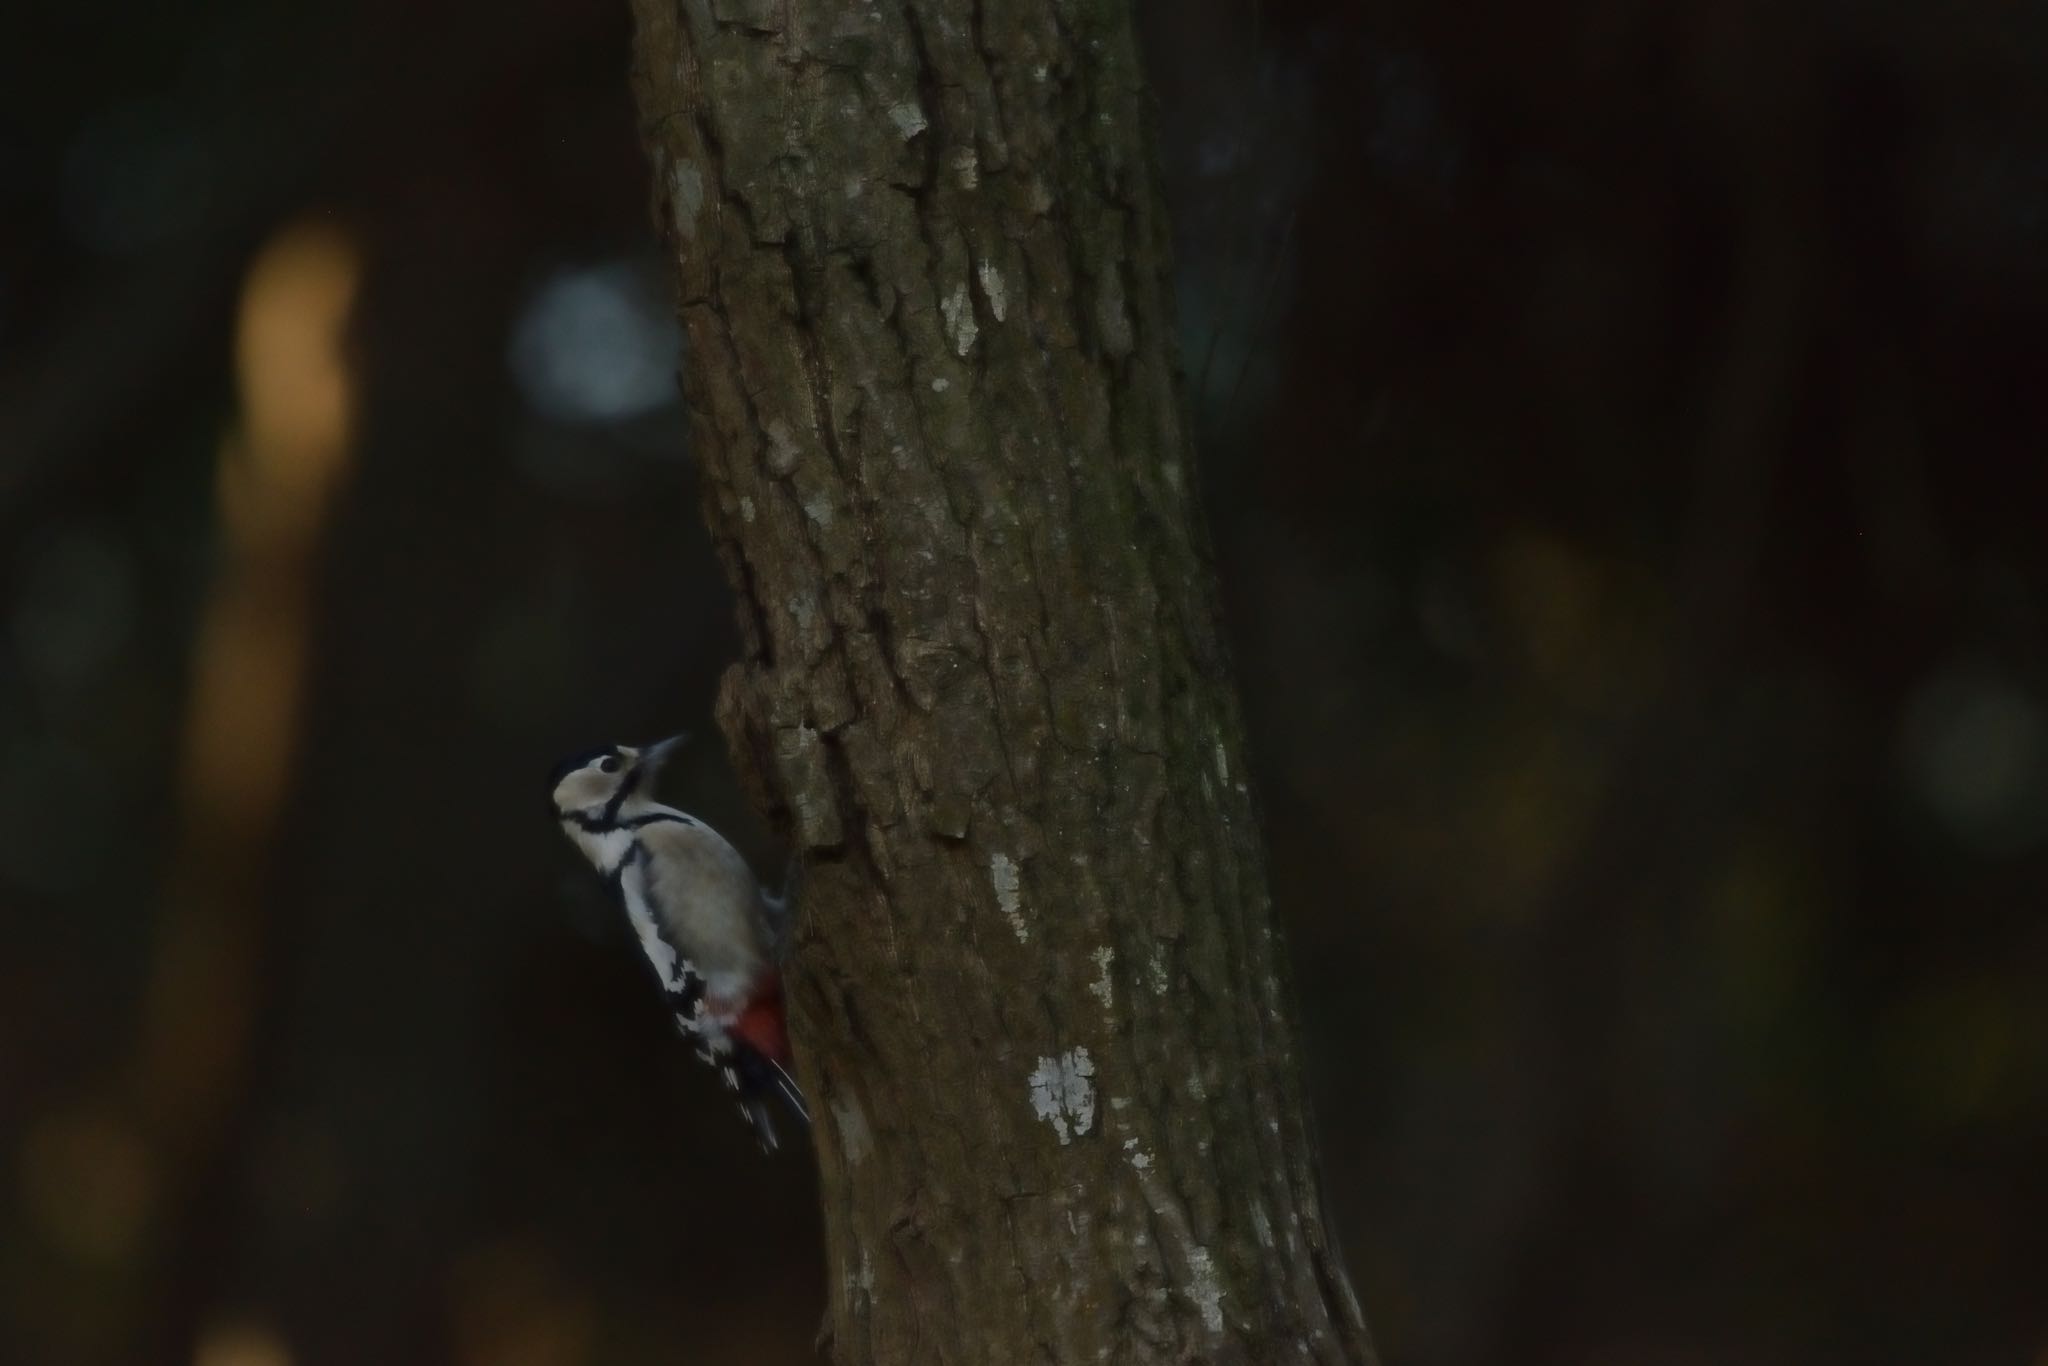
(686, 197)
(958, 309)
(1063, 1093)
(1002, 875)
(1156, 969)
(1204, 1289)
(1103, 988)
(803, 610)
(747, 510)
(1262, 1226)
(992, 287)
(782, 447)
(909, 120)
(855, 1142)
(1140, 1159)
(818, 507)
(857, 1282)
(1222, 763)
(967, 167)
(1111, 317)
(941, 385)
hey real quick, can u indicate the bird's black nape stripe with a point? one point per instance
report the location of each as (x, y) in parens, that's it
(615, 876)
(626, 788)
(659, 818)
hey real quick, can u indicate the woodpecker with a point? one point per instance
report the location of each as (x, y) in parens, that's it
(708, 929)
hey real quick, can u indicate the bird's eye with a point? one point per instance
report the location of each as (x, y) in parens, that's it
(608, 764)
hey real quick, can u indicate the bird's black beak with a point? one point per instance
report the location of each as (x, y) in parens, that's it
(658, 753)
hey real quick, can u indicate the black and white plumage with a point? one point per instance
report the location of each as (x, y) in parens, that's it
(707, 928)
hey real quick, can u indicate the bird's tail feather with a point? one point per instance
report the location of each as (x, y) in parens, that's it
(755, 1076)
(786, 1087)
(754, 1111)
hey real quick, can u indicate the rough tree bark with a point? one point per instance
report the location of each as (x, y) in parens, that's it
(1036, 991)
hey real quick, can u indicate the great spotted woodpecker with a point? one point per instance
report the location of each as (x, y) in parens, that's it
(709, 930)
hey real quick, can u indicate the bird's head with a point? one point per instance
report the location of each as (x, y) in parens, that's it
(589, 788)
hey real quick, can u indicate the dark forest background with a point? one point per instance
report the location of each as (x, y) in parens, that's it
(1623, 429)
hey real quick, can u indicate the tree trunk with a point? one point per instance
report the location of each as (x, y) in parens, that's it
(1036, 992)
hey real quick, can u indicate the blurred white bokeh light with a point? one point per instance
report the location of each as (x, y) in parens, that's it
(597, 344)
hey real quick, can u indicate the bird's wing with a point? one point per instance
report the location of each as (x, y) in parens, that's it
(720, 924)
(725, 922)
(679, 978)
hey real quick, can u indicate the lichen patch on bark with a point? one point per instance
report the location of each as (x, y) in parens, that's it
(1063, 1093)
